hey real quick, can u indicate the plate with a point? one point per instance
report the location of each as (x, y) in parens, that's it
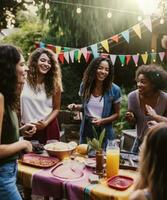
(120, 182)
(38, 161)
(68, 170)
(90, 162)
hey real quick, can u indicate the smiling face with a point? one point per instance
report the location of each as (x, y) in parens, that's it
(144, 85)
(21, 70)
(102, 71)
(44, 64)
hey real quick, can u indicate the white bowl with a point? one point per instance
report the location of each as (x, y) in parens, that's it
(59, 153)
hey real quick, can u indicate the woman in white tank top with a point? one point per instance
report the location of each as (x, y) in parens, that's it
(41, 95)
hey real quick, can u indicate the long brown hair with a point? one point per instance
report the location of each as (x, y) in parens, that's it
(153, 164)
(90, 77)
(52, 80)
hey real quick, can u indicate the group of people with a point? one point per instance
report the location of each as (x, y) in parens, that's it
(38, 85)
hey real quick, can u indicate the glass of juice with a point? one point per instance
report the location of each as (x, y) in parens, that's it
(112, 158)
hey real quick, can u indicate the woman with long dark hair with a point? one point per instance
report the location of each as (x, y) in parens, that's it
(100, 100)
(12, 75)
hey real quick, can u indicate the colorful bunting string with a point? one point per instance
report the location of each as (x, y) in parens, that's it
(67, 54)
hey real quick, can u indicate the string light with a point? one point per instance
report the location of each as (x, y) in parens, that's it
(139, 18)
(94, 7)
(78, 10)
(161, 21)
(109, 14)
(47, 6)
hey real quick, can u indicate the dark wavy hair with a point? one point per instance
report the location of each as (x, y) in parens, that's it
(153, 165)
(53, 78)
(89, 77)
(155, 74)
(9, 58)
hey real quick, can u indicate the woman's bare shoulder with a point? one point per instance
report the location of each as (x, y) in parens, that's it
(137, 195)
(1, 97)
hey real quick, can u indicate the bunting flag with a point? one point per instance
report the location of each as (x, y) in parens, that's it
(61, 57)
(72, 55)
(135, 58)
(79, 55)
(148, 24)
(153, 57)
(128, 57)
(144, 57)
(66, 56)
(84, 51)
(105, 45)
(161, 55)
(42, 45)
(94, 50)
(125, 34)
(137, 30)
(113, 58)
(58, 49)
(115, 38)
(122, 59)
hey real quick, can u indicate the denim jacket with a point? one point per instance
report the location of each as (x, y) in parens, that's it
(112, 96)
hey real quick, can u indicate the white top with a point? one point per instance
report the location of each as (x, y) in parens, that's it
(35, 105)
(95, 106)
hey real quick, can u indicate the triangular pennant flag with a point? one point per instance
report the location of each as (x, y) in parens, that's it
(50, 46)
(42, 45)
(94, 50)
(128, 57)
(84, 52)
(122, 59)
(88, 56)
(58, 49)
(72, 55)
(105, 45)
(135, 58)
(148, 24)
(66, 49)
(79, 55)
(113, 58)
(161, 55)
(66, 56)
(125, 34)
(115, 38)
(153, 57)
(61, 57)
(144, 57)
(36, 45)
(137, 30)
(76, 55)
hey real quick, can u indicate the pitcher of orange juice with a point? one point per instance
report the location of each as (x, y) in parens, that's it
(112, 158)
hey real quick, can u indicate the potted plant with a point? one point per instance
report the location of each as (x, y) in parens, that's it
(96, 144)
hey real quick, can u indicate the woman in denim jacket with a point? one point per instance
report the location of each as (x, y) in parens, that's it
(100, 100)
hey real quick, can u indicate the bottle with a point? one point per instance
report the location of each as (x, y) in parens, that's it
(112, 158)
(99, 162)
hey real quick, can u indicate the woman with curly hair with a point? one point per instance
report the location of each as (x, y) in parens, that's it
(41, 95)
(152, 180)
(12, 74)
(151, 80)
(100, 99)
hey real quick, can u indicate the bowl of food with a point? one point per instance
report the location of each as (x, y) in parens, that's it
(60, 150)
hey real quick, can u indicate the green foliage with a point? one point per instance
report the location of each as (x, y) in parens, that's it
(97, 142)
(121, 123)
(26, 36)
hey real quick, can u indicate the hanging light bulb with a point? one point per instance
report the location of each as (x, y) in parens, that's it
(78, 10)
(47, 6)
(19, 1)
(109, 14)
(139, 18)
(161, 21)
